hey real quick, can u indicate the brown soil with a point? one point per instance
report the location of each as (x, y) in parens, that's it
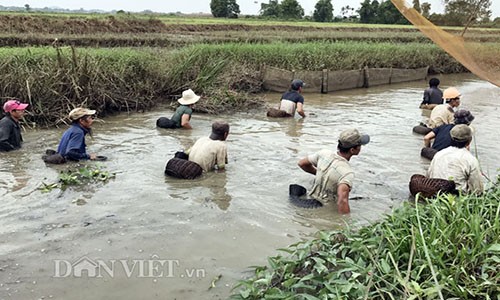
(110, 24)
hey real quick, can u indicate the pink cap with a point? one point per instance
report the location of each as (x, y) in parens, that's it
(14, 105)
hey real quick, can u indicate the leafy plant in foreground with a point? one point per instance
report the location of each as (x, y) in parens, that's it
(446, 249)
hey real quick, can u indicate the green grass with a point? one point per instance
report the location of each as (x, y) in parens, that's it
(447, 249)
(54, 80)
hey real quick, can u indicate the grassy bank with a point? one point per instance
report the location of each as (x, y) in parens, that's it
(447, 249)
(52, 79)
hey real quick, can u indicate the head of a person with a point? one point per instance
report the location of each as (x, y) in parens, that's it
(452, 96)
(434, 82)
(350, 141)
(83, 116)
(461, 135)
(188, 98)
(220, 130)
(463, 116)
(15, 109)
(297, 85)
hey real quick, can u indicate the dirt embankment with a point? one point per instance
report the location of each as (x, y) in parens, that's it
(111, 24)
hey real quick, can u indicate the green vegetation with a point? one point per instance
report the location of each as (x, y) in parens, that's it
(446, 249)
(221, 59)
(80, 176)
(53, 80)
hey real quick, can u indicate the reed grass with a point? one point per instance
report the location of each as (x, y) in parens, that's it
(56, 79)
(446, 249)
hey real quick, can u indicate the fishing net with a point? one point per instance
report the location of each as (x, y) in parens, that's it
(481, 58)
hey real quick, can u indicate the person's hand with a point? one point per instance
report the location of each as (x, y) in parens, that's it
(93, 156)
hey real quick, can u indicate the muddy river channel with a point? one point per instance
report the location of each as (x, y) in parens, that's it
(144, 236)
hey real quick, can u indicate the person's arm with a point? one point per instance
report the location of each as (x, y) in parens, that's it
(5, 145)
(185, 121)
(343, 198)
(427, 97)
(474, 181)
(428, 137)
(300, 110)
(221, 159)
(307, 166)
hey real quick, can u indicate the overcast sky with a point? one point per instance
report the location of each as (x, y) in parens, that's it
(249, 7)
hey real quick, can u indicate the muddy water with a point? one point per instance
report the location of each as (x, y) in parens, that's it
(190, 232)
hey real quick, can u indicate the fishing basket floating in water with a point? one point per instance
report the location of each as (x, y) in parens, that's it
(52, 157)
(428, 152)
(430, 187)
(164, 122)
(277, 113)
(295, 191)
(182, 168)
(421, 129)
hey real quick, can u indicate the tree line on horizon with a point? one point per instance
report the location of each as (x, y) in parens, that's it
(456, 13)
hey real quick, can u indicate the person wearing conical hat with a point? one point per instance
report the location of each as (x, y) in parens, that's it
(182, 115)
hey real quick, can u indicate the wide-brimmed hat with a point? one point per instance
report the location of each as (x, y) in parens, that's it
(79, 112)
(188, 97)
(14, 105)
(351, 138)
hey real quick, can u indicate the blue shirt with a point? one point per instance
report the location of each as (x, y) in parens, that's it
(443, 137)
(293, 96)
(72, 145)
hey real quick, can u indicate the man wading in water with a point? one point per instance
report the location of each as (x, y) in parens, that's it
(334, 175)
(182, 115)
(72, 145)
(292, 100)
(211, 152)
(10, 131)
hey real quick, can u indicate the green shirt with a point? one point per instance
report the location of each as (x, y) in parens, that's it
(181, 110)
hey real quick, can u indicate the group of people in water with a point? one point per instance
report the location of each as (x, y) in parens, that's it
(447, 126)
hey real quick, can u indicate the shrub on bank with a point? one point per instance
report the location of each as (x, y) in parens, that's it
(54, 80)
(446, 249)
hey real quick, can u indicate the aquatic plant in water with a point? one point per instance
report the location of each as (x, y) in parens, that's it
(80, 176)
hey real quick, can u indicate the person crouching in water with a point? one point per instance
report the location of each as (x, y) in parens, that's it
(433, 96)
(333, 174)
(72, 145)
(10, 130)
(292, 100)
(441, 134)
(182, 115)
(211, 152)
(458, 163)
